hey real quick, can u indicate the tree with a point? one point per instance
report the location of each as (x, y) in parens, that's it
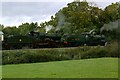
(77, 17)
(11, 30)
(41, 29)
(1, 27)
(25, 28)
(111, 13)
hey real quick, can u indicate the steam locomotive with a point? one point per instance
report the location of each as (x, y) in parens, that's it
(44, 40)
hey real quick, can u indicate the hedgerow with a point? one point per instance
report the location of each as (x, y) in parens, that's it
(59, 54)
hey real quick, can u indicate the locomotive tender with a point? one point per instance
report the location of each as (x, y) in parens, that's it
(43, 40)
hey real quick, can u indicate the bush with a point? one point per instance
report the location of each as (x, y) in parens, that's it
(59, 54)
(96, 52)
(27, 56)
(111, 50)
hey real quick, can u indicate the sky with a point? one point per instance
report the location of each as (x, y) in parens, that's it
(16, 12)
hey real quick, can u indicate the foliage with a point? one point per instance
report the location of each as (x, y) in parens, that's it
(1, 27)
(58, 54)
(112, 12)
(111, 50)
(26, 28)
(11, 31)
(22, 29)
(80, 17)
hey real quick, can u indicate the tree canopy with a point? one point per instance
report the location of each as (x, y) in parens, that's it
(80, 17)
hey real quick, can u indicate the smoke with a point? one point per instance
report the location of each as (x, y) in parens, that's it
(110, 26)
(67, 28)
(48, 28)
(63, 24)
(61, 20)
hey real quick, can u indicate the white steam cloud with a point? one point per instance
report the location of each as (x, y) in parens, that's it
(110, 26)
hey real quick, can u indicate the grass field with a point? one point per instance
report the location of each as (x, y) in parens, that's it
(88, 68)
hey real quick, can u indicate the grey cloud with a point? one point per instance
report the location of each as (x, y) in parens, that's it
(30, 8)
(18, 12)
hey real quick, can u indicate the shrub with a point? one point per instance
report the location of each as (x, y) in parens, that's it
(59, 54)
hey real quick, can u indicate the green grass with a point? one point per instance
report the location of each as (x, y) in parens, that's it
(88, 68)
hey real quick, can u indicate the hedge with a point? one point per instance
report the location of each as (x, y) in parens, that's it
(58, 54)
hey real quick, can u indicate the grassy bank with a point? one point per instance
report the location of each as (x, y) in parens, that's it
(87, 68)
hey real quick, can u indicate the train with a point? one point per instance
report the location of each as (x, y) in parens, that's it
(44, 40)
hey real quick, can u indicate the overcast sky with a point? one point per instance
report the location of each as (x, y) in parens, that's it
(16, 12)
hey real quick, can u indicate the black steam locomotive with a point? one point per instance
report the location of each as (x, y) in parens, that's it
(32, 40)
(44, 40)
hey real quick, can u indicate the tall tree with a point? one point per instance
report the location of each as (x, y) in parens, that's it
(77, 17)
(1, 27)
(25, 28)
(11, 30)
